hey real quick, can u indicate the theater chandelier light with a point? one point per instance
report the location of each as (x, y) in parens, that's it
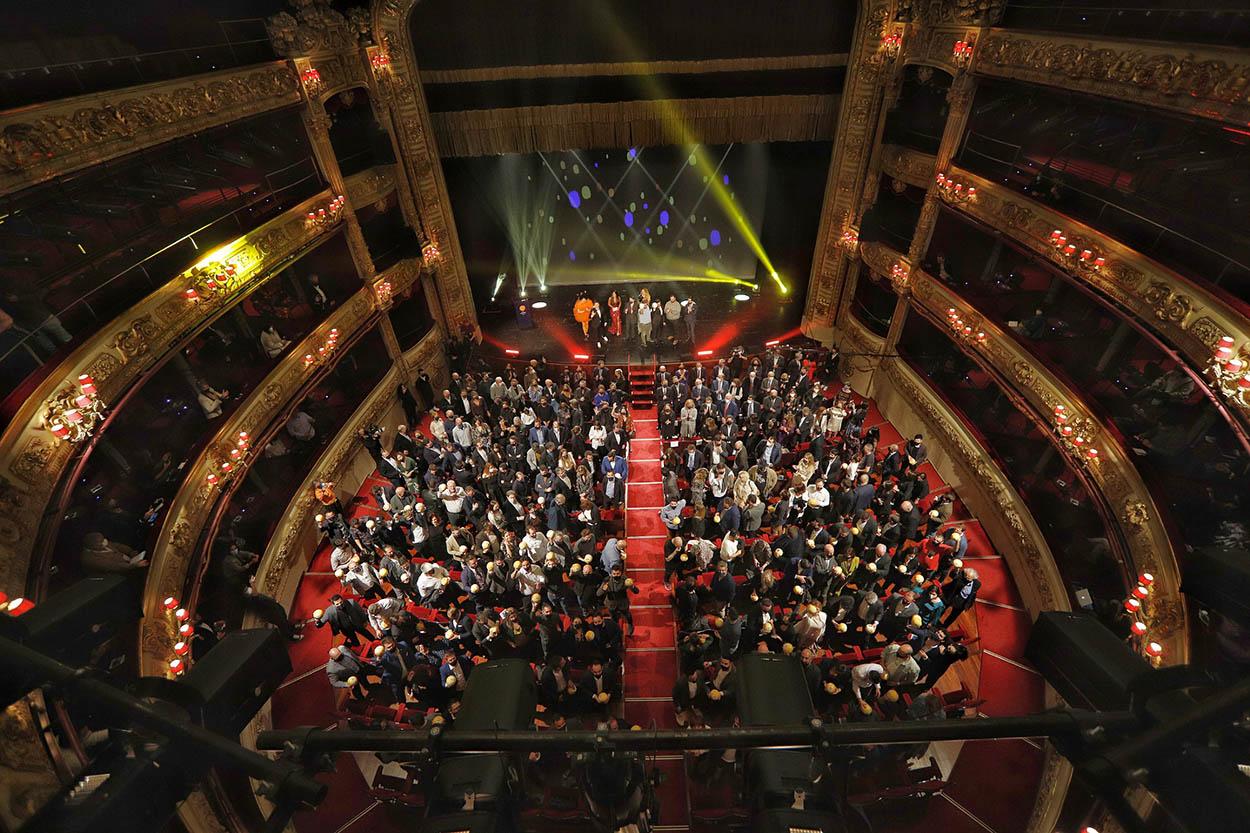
(430, 253)
(380, 62)
(1085, 258)
(384, 290)
(891, 42)
(954, 191)
(75, 411)
(325, 351)
(311, 80)
(962, 53)
(1075, 433)
(233, 457)
(1230, 373)
(963, 330)
(325, 217)
(850, 240)
(211, 279)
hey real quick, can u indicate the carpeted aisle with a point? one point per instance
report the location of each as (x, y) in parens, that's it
(651, 655)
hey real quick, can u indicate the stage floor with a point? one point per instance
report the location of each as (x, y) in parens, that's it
(721, 324)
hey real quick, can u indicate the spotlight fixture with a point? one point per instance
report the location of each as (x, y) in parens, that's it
(742, 296)
(539, 305)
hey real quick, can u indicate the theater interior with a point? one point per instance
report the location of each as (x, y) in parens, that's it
(669, 415)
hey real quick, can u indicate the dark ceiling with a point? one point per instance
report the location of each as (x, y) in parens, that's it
(458, 34)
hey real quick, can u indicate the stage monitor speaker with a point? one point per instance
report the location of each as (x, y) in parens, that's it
(1219, 578)
(1084, 661)
(237, 676)
(71, 625)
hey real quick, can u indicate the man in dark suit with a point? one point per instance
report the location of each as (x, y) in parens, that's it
(960, 595)
(346, 618)
(346, 670)
(861, 496)
(692, 460)
(597, 681)
(723, 587)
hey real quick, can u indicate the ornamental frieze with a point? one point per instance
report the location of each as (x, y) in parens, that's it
(907, 165)
(1209, 82)
(48, 140)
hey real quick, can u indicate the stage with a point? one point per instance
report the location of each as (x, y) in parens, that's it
(721, 324)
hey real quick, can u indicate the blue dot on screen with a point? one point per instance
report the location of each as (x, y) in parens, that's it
(644, 205)
(596, 164)
(664, 218)
(647, 230)
(572, 255)
(633, 153)
(575, 199)
(629, 219)
(714, 237)
(726, 179)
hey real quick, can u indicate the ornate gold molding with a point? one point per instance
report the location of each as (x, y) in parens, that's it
(414, 135)
(339, 72)
(370, 186)
(857, 122)
(1183, 313)
(191, 507)
(44, 141)
(773, 118)
(1114, 474)
(32, 461)
(907, 165)
(979, 481)
(1208, 82)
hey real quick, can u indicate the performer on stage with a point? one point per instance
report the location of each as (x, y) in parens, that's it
(581, 311)
(614, 311)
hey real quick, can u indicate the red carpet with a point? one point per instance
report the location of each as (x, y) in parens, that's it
(649, 674)
(644, 472)
(646, 496)
(644, 522)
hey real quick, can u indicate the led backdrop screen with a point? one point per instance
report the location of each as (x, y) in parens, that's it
(636, 215)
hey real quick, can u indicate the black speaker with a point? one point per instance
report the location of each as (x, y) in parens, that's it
(237, 676)
(1085, 662)
(1219, 578)
(71, 625)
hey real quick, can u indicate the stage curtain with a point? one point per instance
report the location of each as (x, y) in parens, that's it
(771, 64)
(782, 118)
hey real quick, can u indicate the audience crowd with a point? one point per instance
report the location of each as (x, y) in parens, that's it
(499, 533)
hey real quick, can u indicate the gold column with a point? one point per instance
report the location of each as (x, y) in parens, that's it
(963, 90)
(871, 63)
(317, 126)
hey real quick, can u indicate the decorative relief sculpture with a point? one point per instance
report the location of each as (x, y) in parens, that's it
(316, 27)
(1211, 85)
(40, 142)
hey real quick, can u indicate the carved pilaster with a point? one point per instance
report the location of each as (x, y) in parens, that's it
(929, 212)
(844, 188)
(418, 153)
